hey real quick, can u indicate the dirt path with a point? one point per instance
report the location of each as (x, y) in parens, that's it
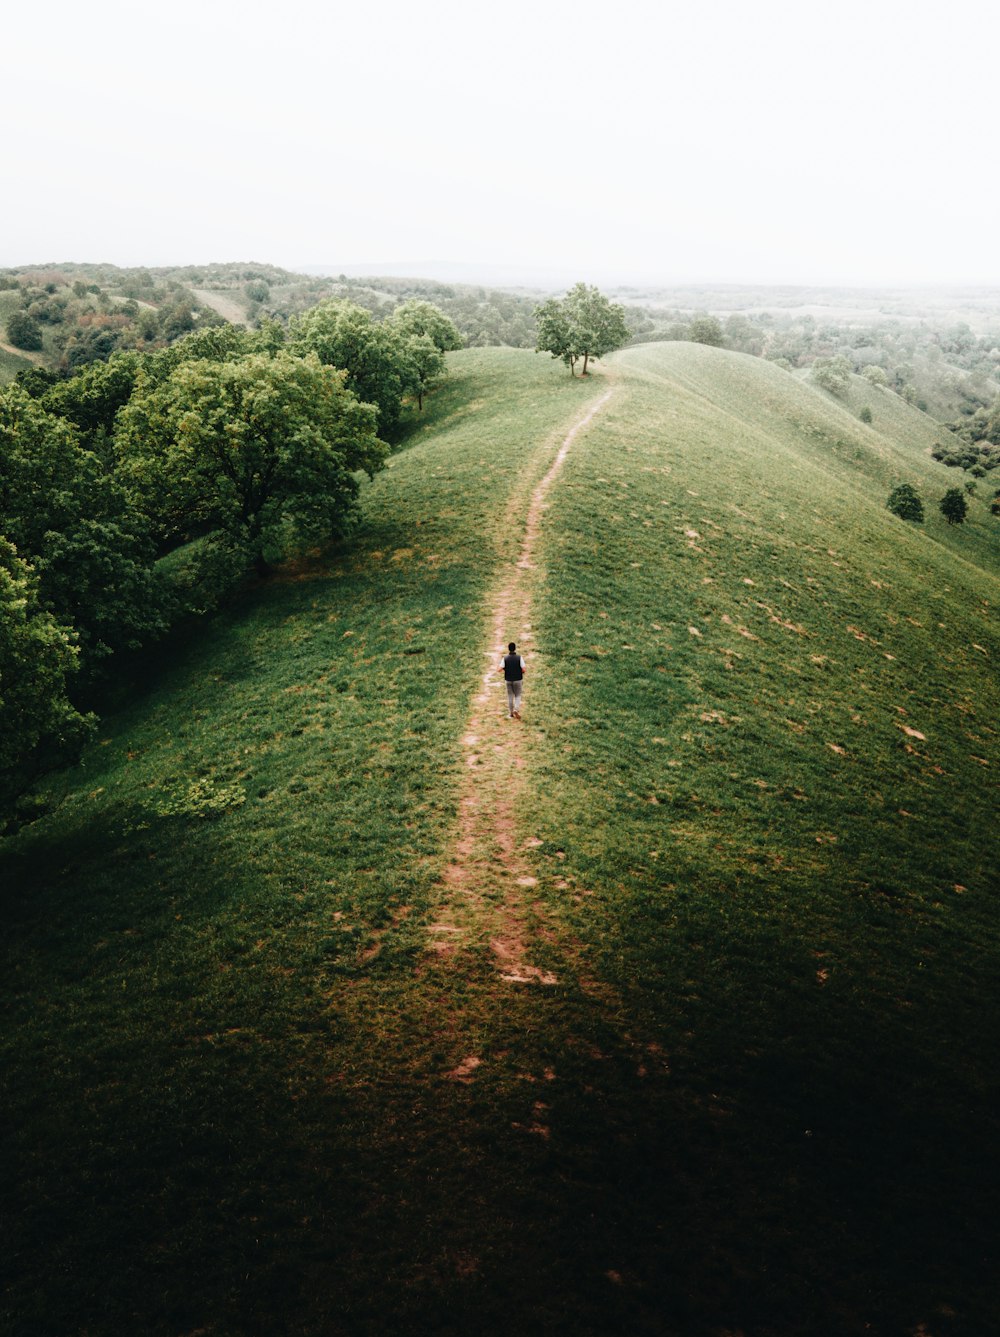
(487, 886)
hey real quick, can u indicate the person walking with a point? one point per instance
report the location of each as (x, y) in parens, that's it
(512, 668)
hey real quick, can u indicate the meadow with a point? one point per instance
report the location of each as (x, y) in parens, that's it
(757, 797)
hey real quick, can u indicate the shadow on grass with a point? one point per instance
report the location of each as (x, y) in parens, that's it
(218, 1146)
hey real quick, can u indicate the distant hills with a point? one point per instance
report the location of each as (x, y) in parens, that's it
(939, 347)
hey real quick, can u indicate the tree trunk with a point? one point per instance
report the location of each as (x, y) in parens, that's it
(585, 356)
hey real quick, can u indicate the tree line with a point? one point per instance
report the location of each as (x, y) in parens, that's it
(140, 489)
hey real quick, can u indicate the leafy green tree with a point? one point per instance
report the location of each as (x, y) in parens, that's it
(875, 376)
(553, 332)
(424, 318)
(216, 343)
(954, 507)
(372, 355)
(583, 324)
(706, 330)
(178, 319)
(425, 365)
(23, 331)
(69, 518)
(91, 398)
(905, 502)
(90, 345)
(265, 449)
(38, 656)
(832, 374)
(866, 414)
(37, 381)
(427, 334)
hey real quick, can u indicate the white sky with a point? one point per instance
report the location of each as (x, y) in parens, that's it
(721, 140)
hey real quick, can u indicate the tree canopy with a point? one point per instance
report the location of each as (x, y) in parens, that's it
(38, 655)
(263, 448)
(904, 501)
(954, 506)
(371, 353)
(68, 516)
(583, 324)
(427, 334)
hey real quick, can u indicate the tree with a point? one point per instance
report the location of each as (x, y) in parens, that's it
(23, 331)
(866, 414)
(91, 398)
(904, 501)
(372, 355)
(37, 657)
(581, 324)
(423, 318)
(427, 334)
(954, 507)
(832, 374)
(68, 517)
(263, 448)
(553, 332)
(37, 381)
(706, 329)
(875, 376)
(425, 364)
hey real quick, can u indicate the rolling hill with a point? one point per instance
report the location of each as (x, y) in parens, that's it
(339, 1003)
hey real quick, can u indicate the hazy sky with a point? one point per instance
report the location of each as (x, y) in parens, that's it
(776, 141)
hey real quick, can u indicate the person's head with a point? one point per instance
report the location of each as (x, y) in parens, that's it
(511, 647)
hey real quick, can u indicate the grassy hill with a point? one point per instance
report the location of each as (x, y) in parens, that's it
(756, 791)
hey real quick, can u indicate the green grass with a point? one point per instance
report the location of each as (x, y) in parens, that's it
(10, 365)
(188, 925)
(758, 1100)
(792, 895)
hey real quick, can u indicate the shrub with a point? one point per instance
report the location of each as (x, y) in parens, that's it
(904, 502)
(866, 414)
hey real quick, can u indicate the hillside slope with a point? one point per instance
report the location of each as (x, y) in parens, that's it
(266, 1051)
(767, 771)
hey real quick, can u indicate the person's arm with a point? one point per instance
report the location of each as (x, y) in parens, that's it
(524, 668)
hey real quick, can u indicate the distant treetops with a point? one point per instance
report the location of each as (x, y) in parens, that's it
(583, 324)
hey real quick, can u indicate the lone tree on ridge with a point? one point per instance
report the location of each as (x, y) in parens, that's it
(581, 324)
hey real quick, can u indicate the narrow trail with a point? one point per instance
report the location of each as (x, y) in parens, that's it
(487, 885)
